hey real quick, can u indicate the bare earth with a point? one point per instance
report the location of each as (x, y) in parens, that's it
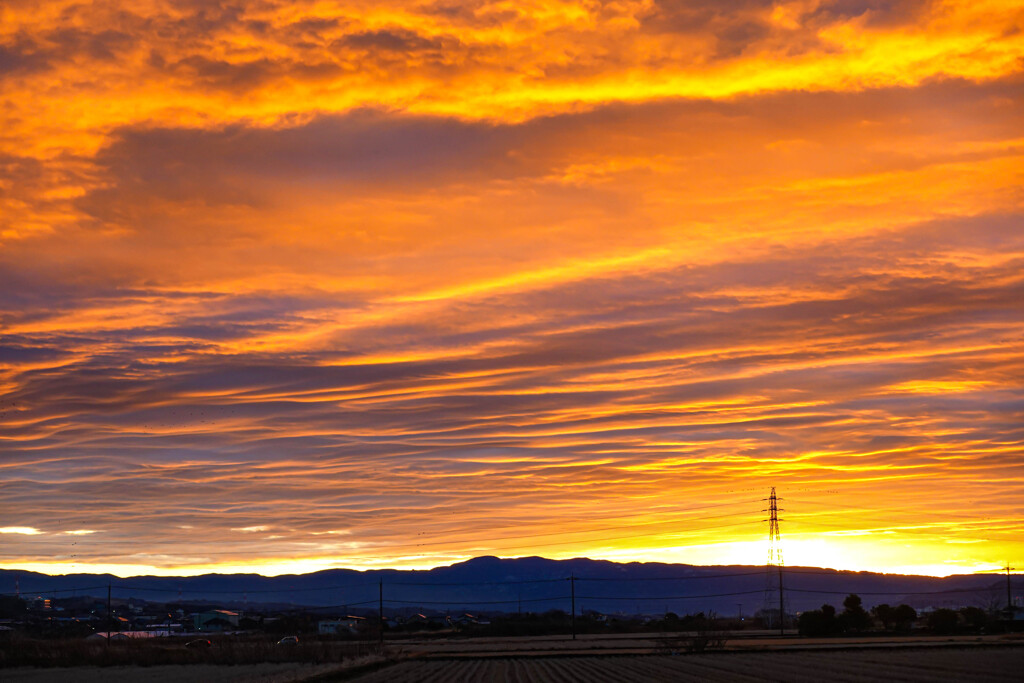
(650, 643)
(191, 673)
(607, 659)
(911, 665)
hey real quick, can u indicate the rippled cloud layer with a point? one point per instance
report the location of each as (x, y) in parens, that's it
(297, 285)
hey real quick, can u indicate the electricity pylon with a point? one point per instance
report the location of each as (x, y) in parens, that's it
(773, 583)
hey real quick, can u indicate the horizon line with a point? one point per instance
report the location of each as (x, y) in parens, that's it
(24, 567)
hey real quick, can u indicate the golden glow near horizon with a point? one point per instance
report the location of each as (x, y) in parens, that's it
(298, 285)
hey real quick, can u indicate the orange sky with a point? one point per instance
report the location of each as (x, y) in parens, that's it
(293, 285)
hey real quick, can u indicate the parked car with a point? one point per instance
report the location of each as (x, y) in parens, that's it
(289, 640)
(199, 642)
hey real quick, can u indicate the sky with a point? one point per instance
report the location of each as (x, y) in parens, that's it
(291, 285)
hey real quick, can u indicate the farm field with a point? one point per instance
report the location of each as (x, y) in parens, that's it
(180, 673)
(648, 643)
(267, 672)
(980, 664)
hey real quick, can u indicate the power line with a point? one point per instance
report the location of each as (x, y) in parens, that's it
(669, 597)
(760, 572)
(878, 509)
(695, 596)
(344, 606)
(56, 590)
(774, 563)
(155, 589)
(475, 602)
(239, 592)
(428, 584)
(950, 590)
(643, 579)
(474, 583)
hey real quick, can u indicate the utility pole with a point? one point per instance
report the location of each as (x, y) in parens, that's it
(572, 596)
(110, 614)
(1009, 594)
(774, 568)
(380, 605)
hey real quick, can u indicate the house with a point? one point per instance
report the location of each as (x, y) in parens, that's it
(124, 635)
(349, 624)
(215, 620)
(167, 627)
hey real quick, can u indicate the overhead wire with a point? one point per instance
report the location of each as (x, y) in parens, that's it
(669, 597)
(130, 586)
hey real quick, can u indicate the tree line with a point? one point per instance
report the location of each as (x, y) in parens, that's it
(854, 619)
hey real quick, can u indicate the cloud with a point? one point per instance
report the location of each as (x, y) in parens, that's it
(793, 367)
(20, 57)
(403, 41)
(434, 275)
(387, 198)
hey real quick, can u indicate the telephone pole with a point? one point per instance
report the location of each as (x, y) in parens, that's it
(1009, 593)
(572, 596)
(380, 604)
(773, 582)
(110, 614)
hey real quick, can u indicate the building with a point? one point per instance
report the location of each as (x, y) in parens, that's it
(349, 624)
(215, 620)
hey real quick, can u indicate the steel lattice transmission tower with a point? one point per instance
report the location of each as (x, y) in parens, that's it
(773, 583)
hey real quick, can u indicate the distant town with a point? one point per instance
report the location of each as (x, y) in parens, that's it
(490, 597)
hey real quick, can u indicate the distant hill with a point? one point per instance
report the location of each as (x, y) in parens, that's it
(490, 584)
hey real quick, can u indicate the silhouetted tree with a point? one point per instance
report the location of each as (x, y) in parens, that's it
(904, 616)
(818, 622)
(942, 621)
(11, 607)
(974, 617)
(885, 614)
(854, 618)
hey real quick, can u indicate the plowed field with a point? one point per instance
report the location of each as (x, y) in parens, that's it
(913, 666)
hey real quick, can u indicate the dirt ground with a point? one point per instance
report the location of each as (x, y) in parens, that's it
(648, 643)
(608, 659)
(189, 673)
(910, 665)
